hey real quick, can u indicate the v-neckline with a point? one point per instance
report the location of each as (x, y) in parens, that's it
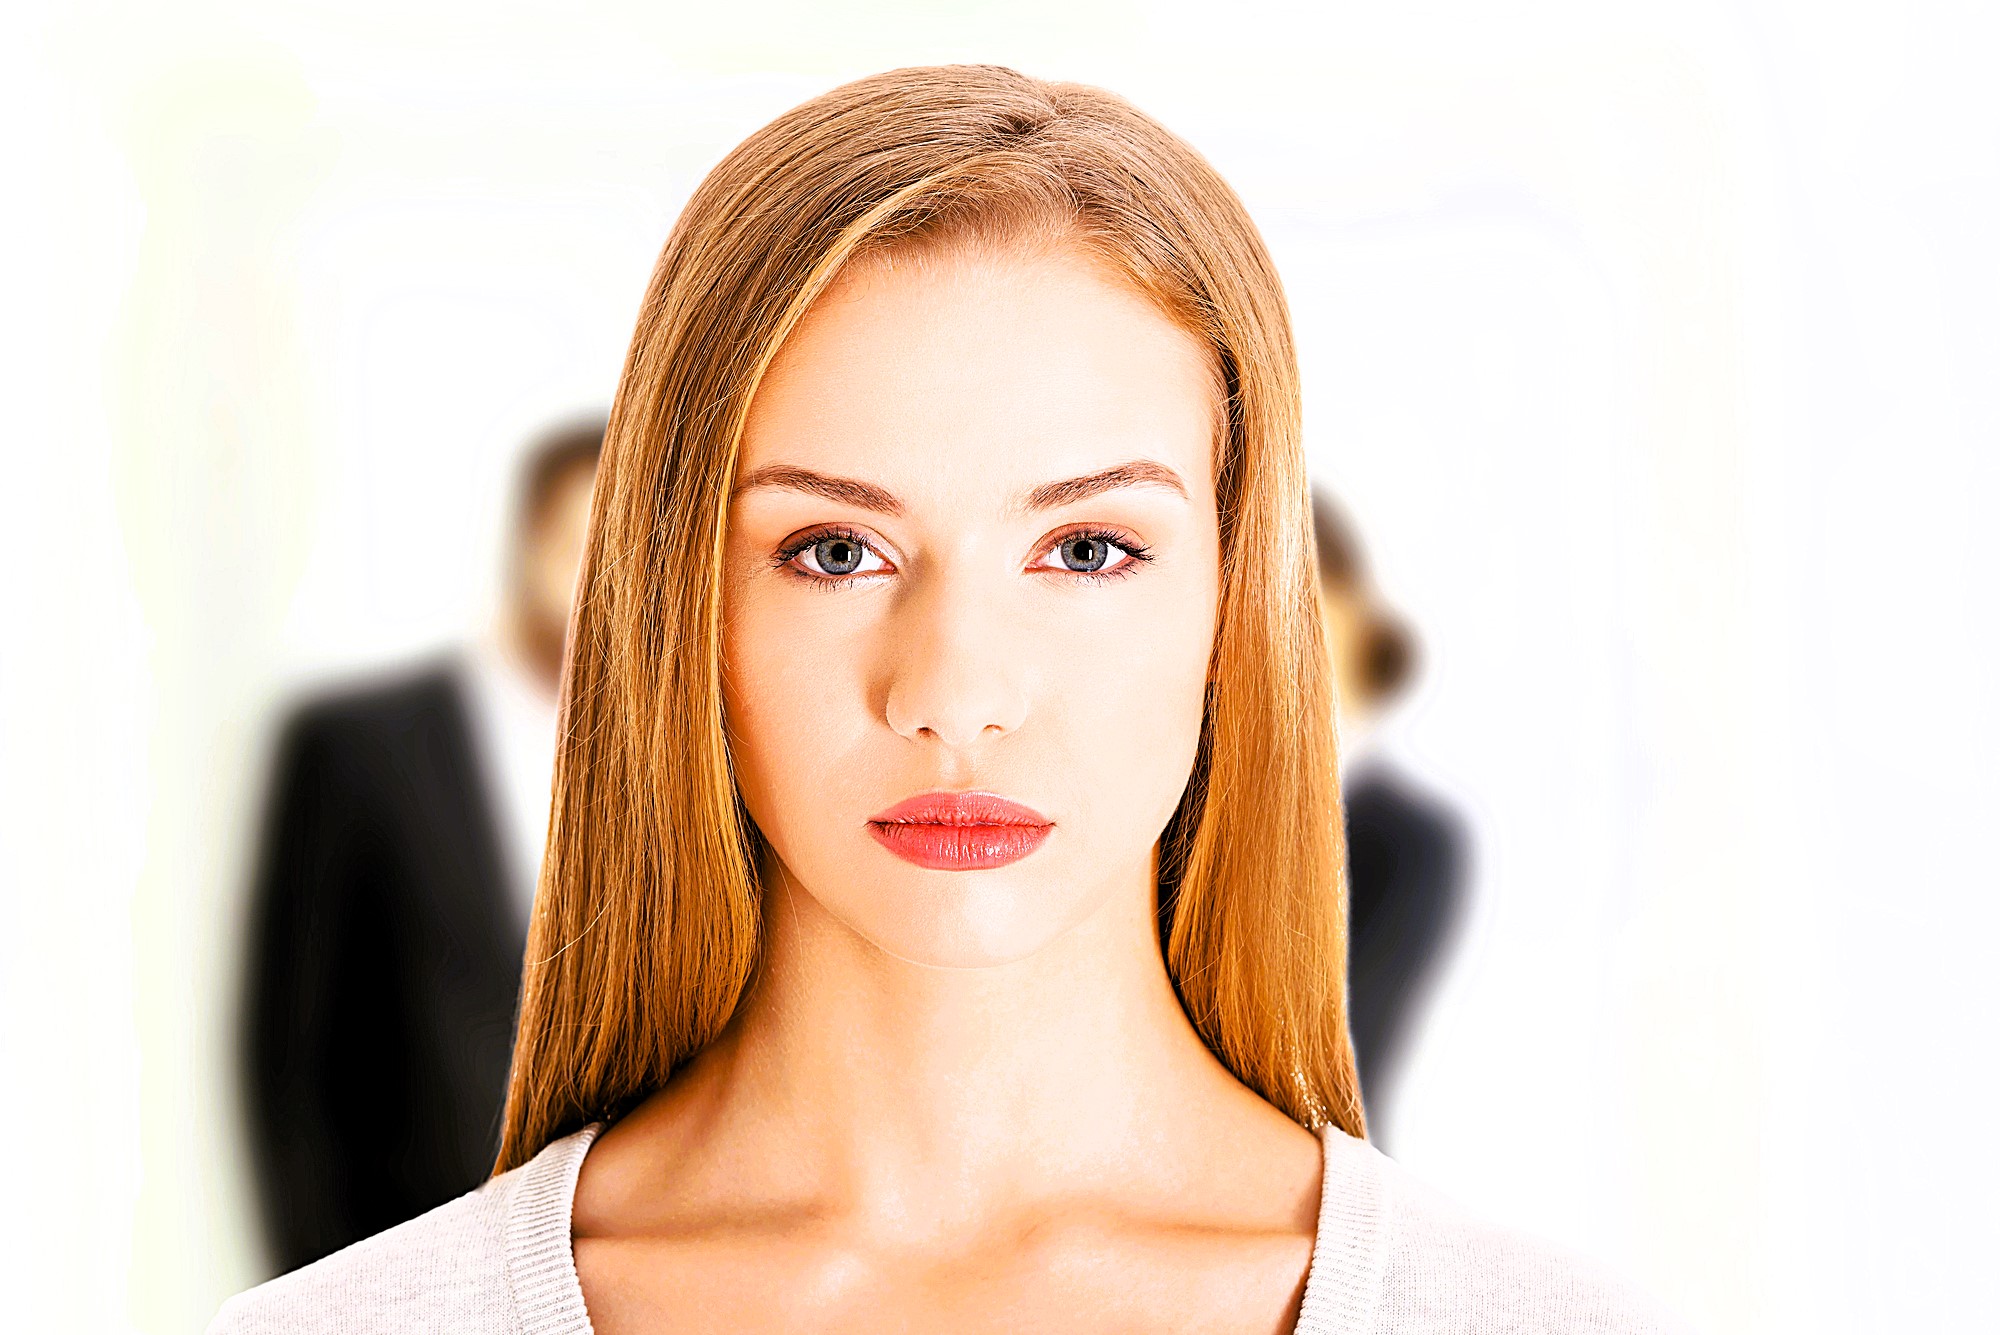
(1342, 1279)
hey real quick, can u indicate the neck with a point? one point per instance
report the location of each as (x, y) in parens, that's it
(898, 1080)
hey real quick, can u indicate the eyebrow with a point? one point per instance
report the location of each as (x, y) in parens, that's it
(845, 489)
(1047, 496)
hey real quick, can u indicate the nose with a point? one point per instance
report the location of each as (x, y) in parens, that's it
(957, 677)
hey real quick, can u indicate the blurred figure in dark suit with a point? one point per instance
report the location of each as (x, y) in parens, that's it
(389, 913)
(1405, 849)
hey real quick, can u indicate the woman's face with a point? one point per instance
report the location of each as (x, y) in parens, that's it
(972, 551)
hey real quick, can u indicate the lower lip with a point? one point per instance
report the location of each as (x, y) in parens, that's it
(959, 847)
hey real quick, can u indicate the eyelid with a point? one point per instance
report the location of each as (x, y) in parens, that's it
(1136, 552)
(791, 549)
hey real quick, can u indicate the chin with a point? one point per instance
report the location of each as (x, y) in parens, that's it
(960, 919)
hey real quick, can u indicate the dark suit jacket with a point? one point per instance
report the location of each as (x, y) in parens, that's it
(1405, 886)
(385, 963)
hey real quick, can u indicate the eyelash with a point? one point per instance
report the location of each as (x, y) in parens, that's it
(1137, 553)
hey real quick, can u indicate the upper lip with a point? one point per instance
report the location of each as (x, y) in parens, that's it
(959, 809)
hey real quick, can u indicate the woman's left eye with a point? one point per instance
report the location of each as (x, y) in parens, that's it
(1090, 554)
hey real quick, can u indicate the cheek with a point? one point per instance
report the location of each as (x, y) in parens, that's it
(753, 698)
(792, 701)
(1126, 691)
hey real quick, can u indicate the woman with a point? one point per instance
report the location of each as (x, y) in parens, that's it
(942, 926)
(1405, 848)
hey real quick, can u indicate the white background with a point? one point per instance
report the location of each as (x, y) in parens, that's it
(1654, 347)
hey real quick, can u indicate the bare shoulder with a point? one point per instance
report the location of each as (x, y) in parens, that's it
(445, 1270)
(1447, 1269)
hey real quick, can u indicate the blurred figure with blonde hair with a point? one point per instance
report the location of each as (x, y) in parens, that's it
(1405, 850)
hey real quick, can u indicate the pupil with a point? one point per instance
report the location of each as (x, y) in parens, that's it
(1085, 553)
(837, 556)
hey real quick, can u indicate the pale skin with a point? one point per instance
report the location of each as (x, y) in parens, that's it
(962, 1100)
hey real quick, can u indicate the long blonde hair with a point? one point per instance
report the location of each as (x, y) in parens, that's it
(647, 919)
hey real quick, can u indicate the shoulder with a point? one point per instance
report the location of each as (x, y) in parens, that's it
(394, 700)
(445, 1270)
(351, 737)
(1383, 804)
(1444, 1269)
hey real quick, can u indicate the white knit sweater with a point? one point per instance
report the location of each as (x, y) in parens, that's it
(1390, 1256)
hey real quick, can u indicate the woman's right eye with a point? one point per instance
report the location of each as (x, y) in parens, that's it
(837, 555)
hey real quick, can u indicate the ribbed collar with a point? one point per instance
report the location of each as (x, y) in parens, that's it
(1345, 1277)
(541, 1266)
(1341, 1283)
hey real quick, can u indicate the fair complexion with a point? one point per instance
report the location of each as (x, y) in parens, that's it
(973, 547)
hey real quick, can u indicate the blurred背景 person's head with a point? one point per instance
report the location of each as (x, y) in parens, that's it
(545, 543)
(1373, 650)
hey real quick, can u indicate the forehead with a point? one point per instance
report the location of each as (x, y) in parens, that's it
(950, 376)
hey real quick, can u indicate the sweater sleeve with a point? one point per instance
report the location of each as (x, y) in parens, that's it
(444, 1271)
(1448, 1272)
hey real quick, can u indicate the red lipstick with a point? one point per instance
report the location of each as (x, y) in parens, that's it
(960, 831)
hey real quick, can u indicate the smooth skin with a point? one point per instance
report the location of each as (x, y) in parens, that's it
(962, 1100)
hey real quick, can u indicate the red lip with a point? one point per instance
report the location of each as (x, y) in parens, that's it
(960, 831)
